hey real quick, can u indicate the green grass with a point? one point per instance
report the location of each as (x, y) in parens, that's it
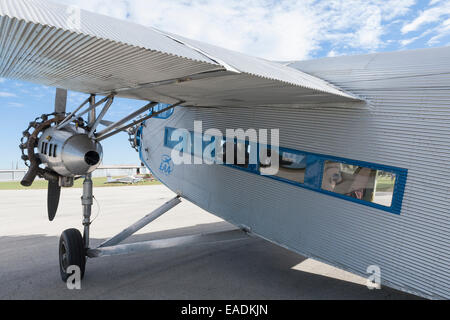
(385, 184)
(98, 183)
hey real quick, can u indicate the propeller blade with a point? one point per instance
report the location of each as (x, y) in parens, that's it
(60, 101)
(53, 195)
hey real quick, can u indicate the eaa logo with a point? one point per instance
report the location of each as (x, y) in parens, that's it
(166, 165)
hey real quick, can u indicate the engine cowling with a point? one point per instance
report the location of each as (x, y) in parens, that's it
(69, 151)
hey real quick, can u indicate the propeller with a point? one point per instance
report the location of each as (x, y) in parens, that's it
(60, 101)
(65, 153)
(54, 189)
(53, 195)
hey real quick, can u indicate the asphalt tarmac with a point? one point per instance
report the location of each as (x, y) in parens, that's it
(249, 269)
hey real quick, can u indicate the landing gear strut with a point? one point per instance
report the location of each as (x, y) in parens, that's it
(74, 248)
(63, 147)
(72, 245)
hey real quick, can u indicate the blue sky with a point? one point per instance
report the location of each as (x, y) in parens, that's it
(278, 30)
(22, 102)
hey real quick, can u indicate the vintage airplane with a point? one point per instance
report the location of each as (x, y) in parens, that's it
(363, 146)
(124, 180)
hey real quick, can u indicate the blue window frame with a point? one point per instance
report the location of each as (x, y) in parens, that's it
(396, 188)
(292, 164)
(165, 114)
(139, 136)
(311, 171)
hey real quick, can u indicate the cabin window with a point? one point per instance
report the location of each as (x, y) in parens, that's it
(368, 184)
(54, 150)
(372, 185)
(292, 164)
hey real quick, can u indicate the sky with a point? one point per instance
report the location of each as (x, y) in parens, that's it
(280, 30)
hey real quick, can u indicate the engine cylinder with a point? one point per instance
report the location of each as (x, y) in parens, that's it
(69, 151)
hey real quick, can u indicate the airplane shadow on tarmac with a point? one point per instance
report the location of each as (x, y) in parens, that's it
(248, 269)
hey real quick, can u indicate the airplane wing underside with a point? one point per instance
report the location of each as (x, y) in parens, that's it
(59, 46)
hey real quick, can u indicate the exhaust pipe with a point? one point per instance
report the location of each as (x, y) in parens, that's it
(31, 174)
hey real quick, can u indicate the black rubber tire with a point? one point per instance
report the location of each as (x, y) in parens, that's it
(71, 252)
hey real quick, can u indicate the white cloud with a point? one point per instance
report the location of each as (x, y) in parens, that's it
(2, 80)
(441, 31)
(76, 97)
(4, 94)
(405, 42)
(332, 53)
(15, 104)
(433, 2)
(278, 30)
(370, 33)
(430, 15)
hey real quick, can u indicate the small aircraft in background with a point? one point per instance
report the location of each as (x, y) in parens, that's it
(124, 180)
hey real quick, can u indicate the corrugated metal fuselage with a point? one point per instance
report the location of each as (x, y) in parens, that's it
(405, 123)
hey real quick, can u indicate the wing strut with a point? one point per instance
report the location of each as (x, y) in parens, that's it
(107, 134)
(112, 246)
(112, 128)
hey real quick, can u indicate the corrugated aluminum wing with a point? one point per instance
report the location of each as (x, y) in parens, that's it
(40, 43)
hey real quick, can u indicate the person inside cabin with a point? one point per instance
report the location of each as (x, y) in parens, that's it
(332, 175)
(360, 183)
(353, 181)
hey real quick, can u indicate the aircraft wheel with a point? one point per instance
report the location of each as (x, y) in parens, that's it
(71, 252)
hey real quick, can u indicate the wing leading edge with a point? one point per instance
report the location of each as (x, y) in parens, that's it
(40, 43)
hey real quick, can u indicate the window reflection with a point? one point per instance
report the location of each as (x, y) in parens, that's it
(359, 182)
(292, 166)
